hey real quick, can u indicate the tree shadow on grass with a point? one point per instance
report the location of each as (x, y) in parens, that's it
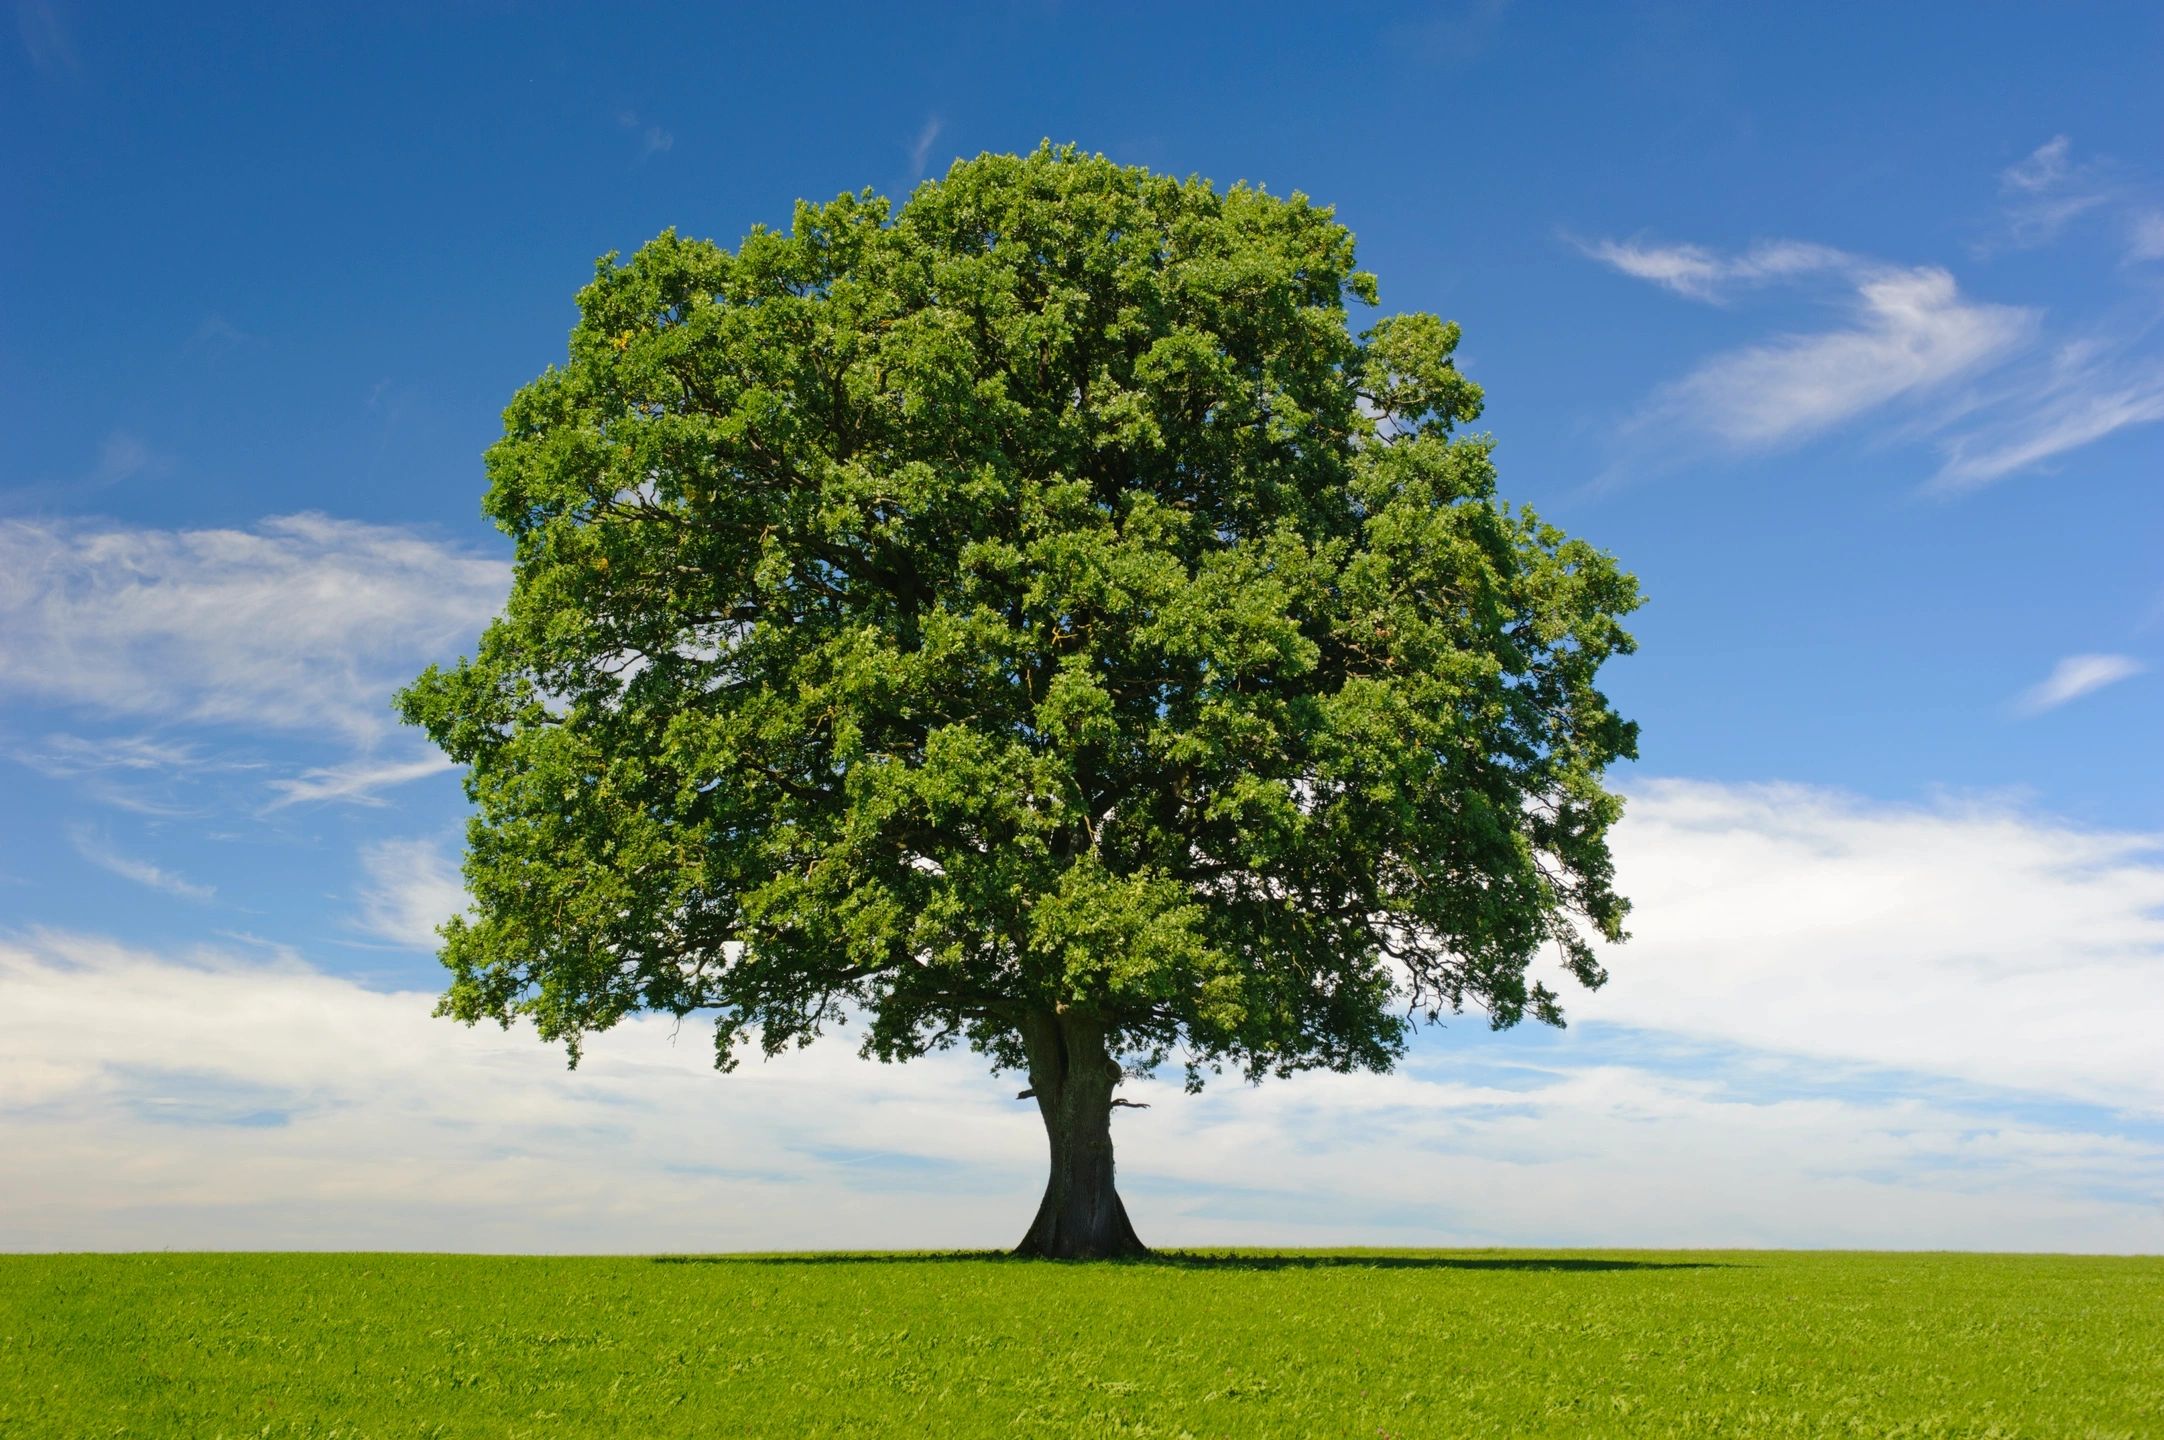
(1233, 1261)
(1587, 1263)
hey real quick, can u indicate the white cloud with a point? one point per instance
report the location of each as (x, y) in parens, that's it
(1905, 1001)
(210, 1100)
(1621, 1154)
(305, 623)
(355, 782)
(1703, 274)
(2074, 677)
(94, 848)
(213, 1098)
(412, 888)
(1911, 330)
(1964, 940)
(1912, 333)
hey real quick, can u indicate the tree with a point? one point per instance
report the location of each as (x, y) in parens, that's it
(1030, 618)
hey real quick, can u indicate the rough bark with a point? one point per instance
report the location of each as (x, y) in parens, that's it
(1072, 1075)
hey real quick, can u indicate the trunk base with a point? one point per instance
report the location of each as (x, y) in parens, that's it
(1103, 1236)
(1072, 1076)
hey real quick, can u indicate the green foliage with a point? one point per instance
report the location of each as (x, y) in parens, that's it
(1723, 1343)
(1034, 598)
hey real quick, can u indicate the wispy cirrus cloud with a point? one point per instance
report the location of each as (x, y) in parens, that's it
(1704, 274)
(2074, 677)
(2049, 194)
(1985, 382)
(411, 887)
(1981, 381)
(143, 773)
(302, 624)
(94, 847)
(1909, 331)
(68, 757)
(2045, 191)
(357, 782)
(920, 150)
(2049, 412)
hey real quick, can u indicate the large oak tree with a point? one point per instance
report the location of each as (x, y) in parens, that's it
(1029, 617)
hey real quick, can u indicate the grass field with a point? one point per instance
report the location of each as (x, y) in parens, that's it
(1354, 1344)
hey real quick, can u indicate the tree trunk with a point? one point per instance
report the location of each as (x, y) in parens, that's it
(1072, 1074)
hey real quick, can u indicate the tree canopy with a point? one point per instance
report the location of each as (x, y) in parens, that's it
(1029, 617)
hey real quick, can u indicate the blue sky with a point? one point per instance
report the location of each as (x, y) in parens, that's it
(1839, 325)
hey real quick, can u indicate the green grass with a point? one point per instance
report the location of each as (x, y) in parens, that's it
(1355, 1344)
